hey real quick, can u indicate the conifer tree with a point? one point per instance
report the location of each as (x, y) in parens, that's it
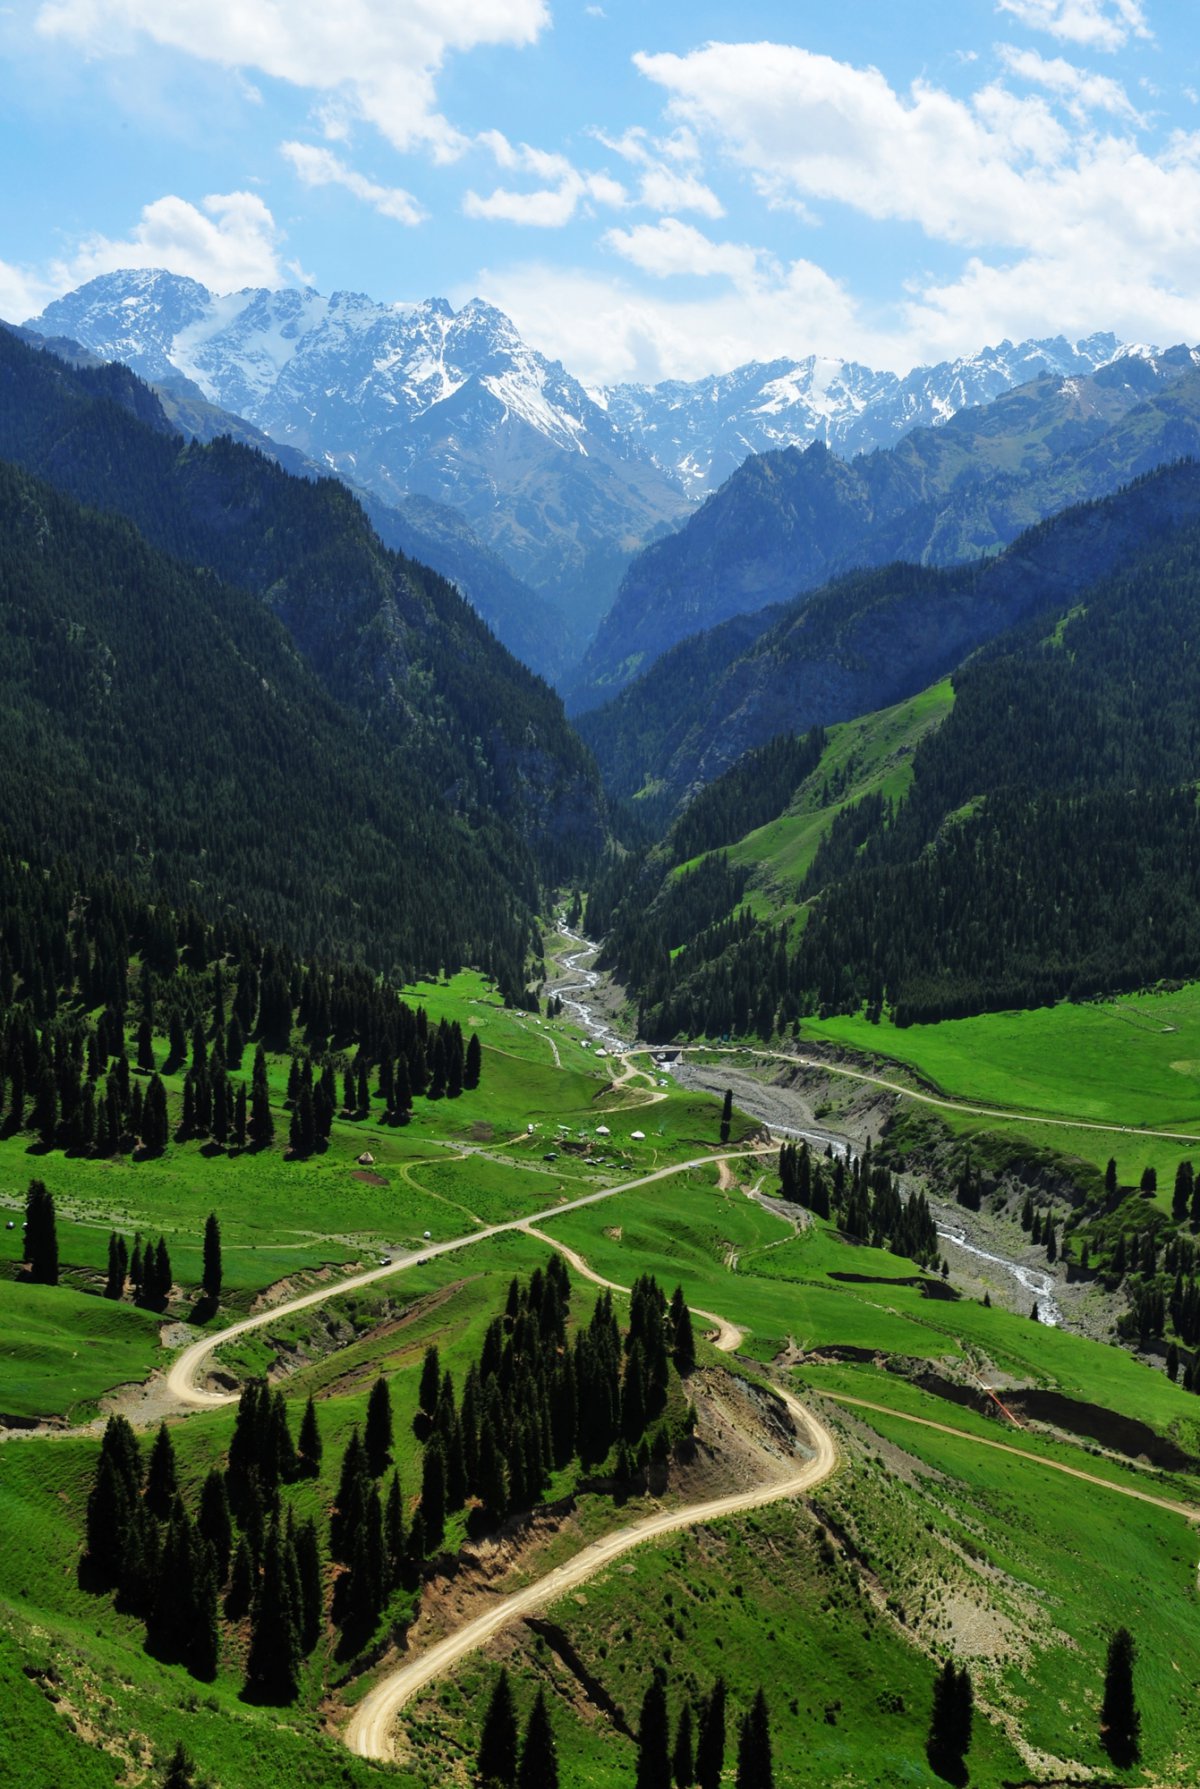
(754, 1767)
(654, 1738)
(162, 1476)
(378, 1434)
(683, 1766)
(114, 1284)
(41, 1235)
(308, 1566)
(262, 1125)
(273, 1662)
(433, 1492)
(308, 1445)
(395, 1537)
(212, 1257)
(430, 1385)
(215, 1522)
(181, 1770)
(710, 1741)
(726, 1114)
(683, 1340)
(538, 1768)
(496, 1765)
(473, 1062)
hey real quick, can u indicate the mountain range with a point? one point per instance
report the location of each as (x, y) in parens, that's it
(424, 403)
(788, 521)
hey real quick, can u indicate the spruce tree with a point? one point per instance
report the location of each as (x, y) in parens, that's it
(683, 1764)
(654, 1739)
(538, 1768)
(378, 1434)
(114, 1284)
(710, 1741)
(473, 1062)
(181, 1770)
(262, 1125)
(308, 1565)
(273, 1662)
(433, 1492)
(1120, 1722)
(754, 1767)
(162, 1477)
(308, 1445)
(41, 1235)
(215, 1522)
(683, 1341)
(430, 1385)
(726, 1114)
(496, 1765)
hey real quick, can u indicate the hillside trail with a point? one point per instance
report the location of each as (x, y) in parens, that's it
(1188, 1511)
(369, 1733)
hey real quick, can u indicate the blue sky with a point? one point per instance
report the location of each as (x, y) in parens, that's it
(650, 191)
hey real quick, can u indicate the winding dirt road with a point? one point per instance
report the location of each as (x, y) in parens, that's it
(193, 1362)
(369, 1733)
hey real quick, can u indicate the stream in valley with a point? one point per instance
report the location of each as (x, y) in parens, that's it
(582, 998)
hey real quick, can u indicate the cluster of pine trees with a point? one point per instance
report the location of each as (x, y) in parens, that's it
(79, 1058)
(146, 1270)
(531, 1403)
(240, 1554)
(862, 1197)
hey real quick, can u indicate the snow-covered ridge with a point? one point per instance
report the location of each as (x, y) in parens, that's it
(333, 374)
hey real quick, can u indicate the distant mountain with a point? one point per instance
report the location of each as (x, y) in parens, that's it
(788, 521)
(478, 734)
(563, 483)
(423, 529)
(410, 399)
(703, 430)
(865, 641)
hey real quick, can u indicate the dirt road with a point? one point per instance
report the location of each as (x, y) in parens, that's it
(192, 1363)
(944, 1103)
(369, 1733)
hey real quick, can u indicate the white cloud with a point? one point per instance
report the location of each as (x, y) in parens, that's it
(667, 178)
(23, 293)
(1099, 24)
(1080, 91)
(671, 247)
(546, 207)
(321, 167)
(607, 332)
(381, 57)
(230, 242)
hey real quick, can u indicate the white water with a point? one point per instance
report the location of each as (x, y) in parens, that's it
(1033, 1280)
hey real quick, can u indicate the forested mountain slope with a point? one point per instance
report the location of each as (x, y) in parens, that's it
(158, 724)
(788, 521)
(1049, 843)
(386, 636)
(864, 642)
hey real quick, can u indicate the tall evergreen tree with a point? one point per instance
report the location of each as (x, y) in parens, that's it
(683, 1763)
(754, 1767)
(683, 1340)
(654, 1738)
(162, 1476)
(377, 1436)
(726, 1114)
(41, 1235)
(710, 1741)
(273, 1662)
(308, 1444)
(496, 1765)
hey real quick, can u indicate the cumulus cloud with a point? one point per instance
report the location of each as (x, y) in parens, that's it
(1081, 91)
(1099, 24)
(1064, 227)
(563, 191)
(321, 167)
(667, 171)
(231, 240)
(380, 57)
(671, 247)
(608, 332)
